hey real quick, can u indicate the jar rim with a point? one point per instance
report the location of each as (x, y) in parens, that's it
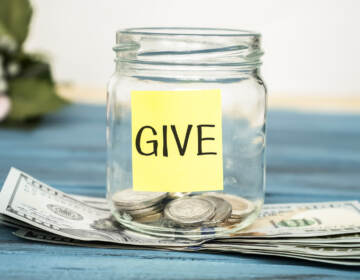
(202, 49)
(189, 31)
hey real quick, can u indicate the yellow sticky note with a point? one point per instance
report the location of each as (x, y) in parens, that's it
(177, 140)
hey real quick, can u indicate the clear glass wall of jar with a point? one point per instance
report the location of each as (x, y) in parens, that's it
(194, 66)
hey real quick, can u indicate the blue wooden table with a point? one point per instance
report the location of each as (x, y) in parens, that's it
(311, 157)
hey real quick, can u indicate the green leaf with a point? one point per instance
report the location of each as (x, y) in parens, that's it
(34, 66)
(7, 41)
(32, 98)
(3, 30)
(15, 16)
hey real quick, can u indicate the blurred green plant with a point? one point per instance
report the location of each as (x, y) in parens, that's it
(27, 88)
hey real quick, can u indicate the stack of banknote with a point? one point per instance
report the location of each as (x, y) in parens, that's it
(326, 232)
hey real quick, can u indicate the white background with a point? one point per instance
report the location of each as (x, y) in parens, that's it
(311, 47)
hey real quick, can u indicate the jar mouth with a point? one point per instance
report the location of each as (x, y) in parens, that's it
(188, 31)
(183, 49)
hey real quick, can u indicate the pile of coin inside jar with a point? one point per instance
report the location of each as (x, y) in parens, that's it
(184, 210)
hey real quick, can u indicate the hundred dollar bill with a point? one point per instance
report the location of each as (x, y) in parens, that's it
(27, 203)
(95, 202)
(42, 236)
(344, 240)
(32, 202)
(287, 255)
(304, 220)
(324, 252)
(8, 221)
(47, 237)
(36, 235)
(276, 220)
(293, 220)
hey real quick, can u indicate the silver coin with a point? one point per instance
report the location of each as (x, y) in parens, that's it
(131, 200)
(190, 211)
(136, 207)
(241, 207)
(150, 218)
(174, 195)
(146, 211)
(233, 221)
(222, 210)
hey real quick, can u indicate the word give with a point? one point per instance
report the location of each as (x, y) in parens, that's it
(181, 145)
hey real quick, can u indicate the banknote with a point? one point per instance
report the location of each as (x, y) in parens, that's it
(8, 221)
(291, 220)
(47, 237)
(304, 220)
(324, 252)
(288, 255)
(32, 202)
(323, 232)
(41, 236)
(343, 240)
(95, 202)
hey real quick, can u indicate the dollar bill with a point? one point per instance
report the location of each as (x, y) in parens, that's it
(292, 220)
(289, 255)
(324, 252)
(305, 220)
(275, 221)
(32, 202)
(95, 202)
(8, 221)
(47, 237)
(41, 236)
(323, 232)
(343, 240)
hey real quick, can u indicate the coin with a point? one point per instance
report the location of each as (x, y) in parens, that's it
(130, 200)
(149, 219)
(241, 207)
(146, 211)
(222, 210)
(174, 195)
(233, 221)
(190, 211)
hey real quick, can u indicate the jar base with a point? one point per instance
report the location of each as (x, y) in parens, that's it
(158, 225)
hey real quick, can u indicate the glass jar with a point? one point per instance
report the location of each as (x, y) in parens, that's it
(186, 112)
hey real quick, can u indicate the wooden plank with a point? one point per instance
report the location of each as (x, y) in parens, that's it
(311, 157)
